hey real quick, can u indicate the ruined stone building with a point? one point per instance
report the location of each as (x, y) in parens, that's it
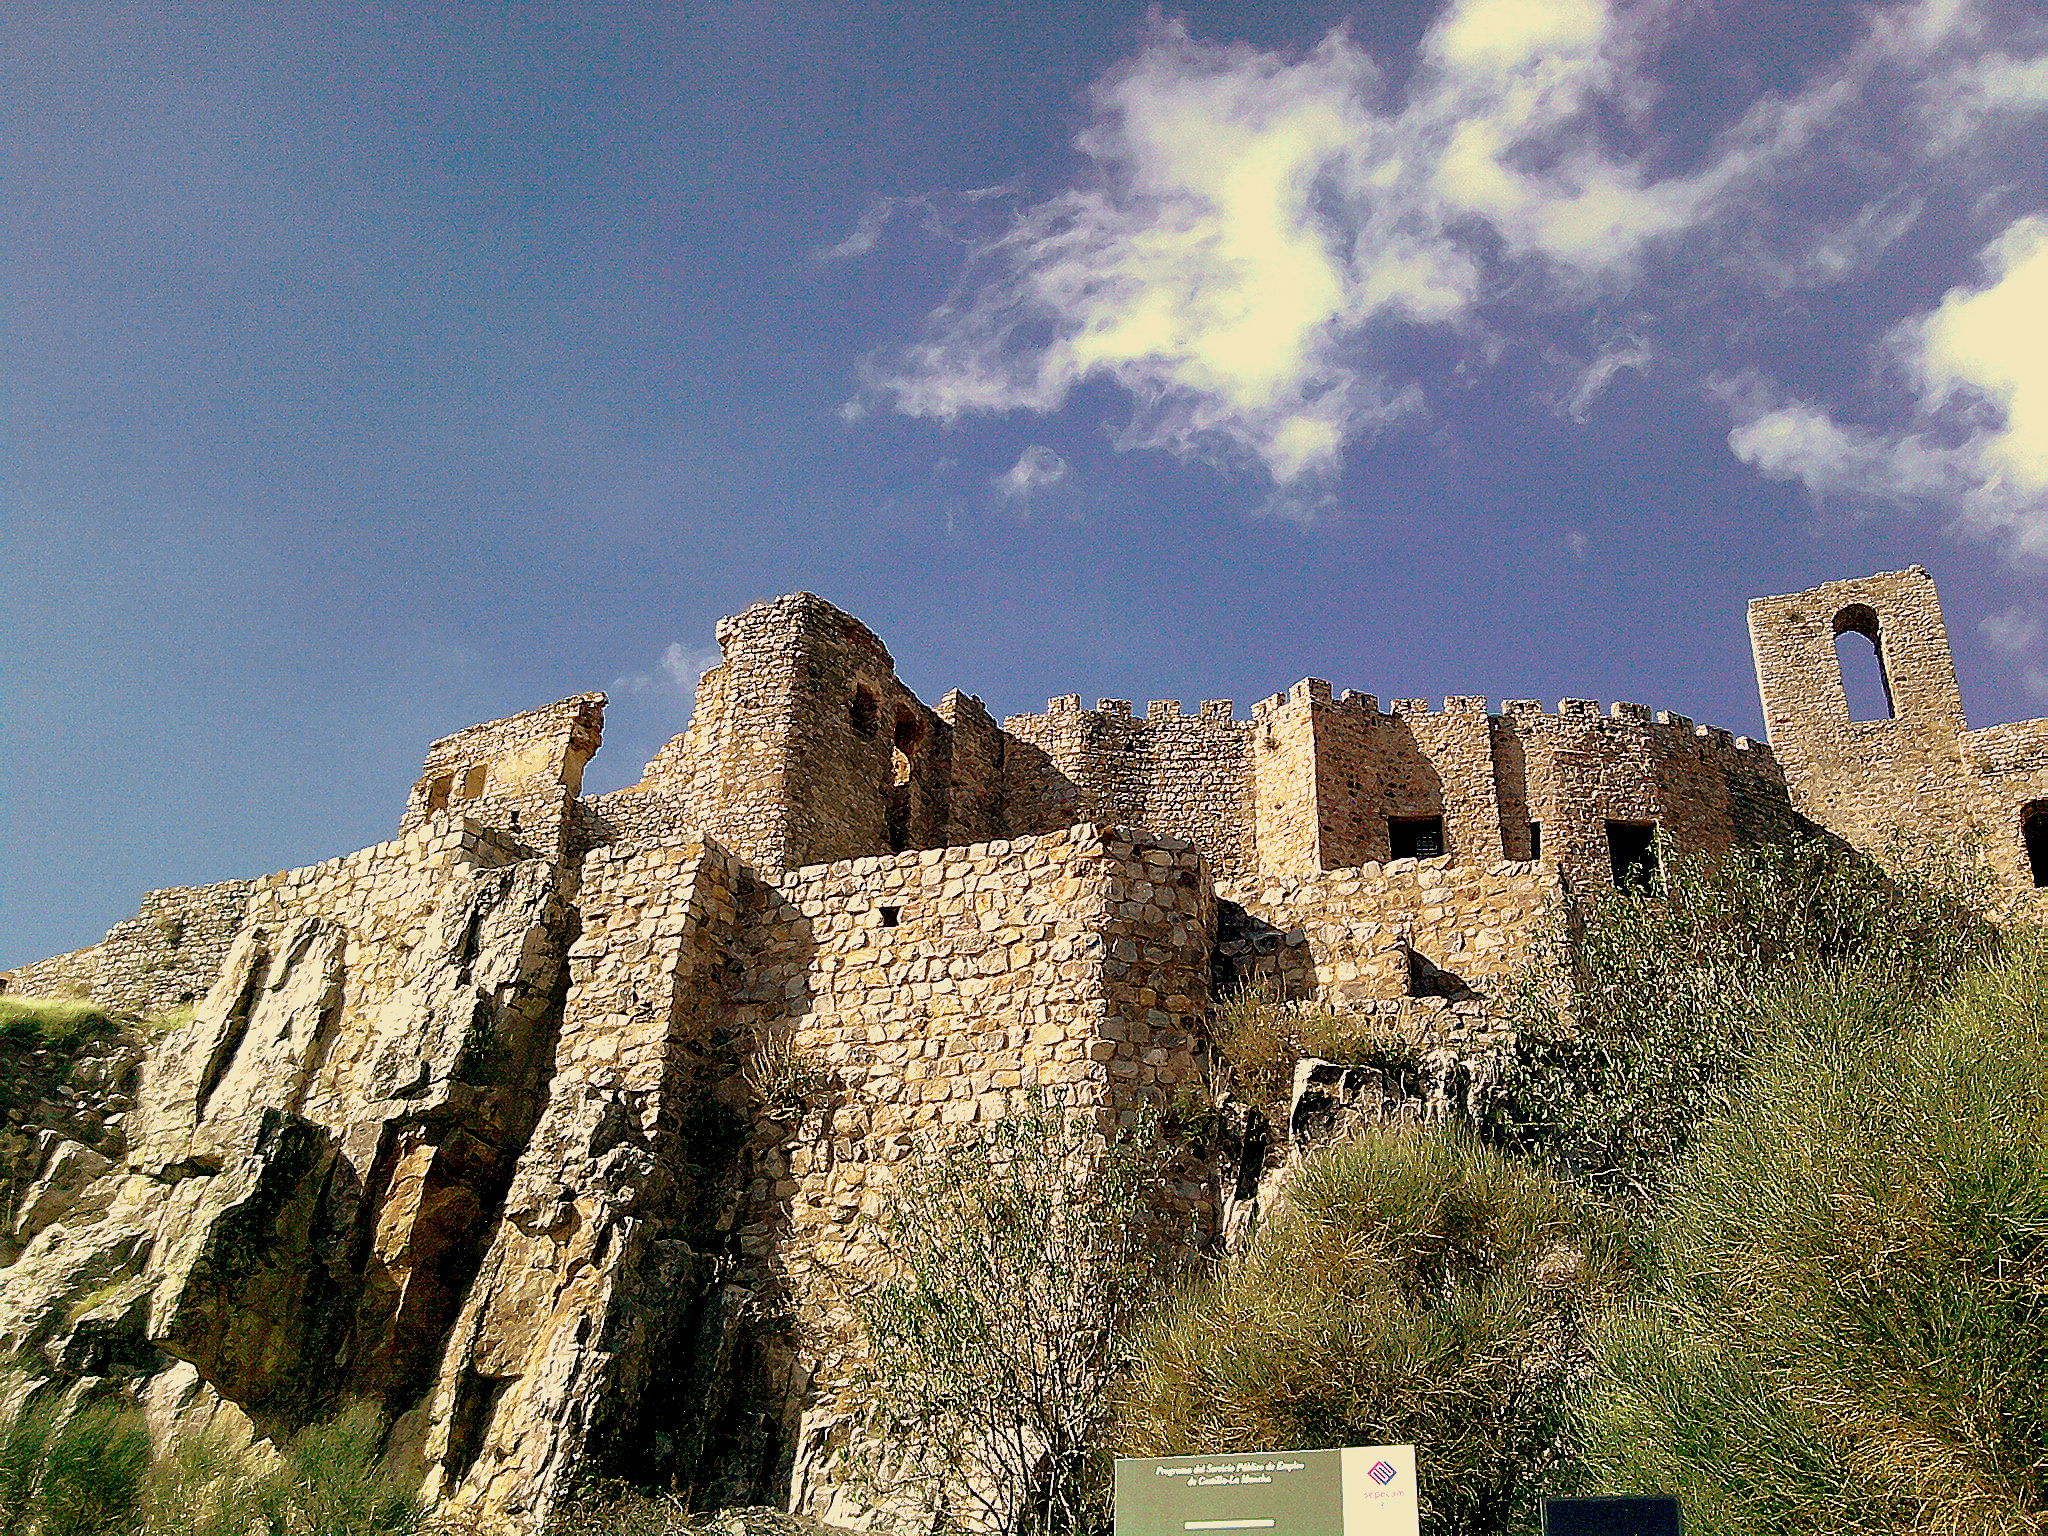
(550, 1125)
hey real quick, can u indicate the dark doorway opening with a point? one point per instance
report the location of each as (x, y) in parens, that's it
(2034, 833)
(1632, 852)
(1415, 837)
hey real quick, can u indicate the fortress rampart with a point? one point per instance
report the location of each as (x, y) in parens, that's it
(549, 1127)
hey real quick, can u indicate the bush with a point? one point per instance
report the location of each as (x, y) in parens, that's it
(70, 1474)
(1850, 1331)
(1017, 1273)
(1644, 1021)
(1262, 1038)
(1413, 1286)
(60, 1023)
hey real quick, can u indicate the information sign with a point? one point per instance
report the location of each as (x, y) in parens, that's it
(1358, 1491)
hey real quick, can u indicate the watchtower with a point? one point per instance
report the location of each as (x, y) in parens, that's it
(1902, 769)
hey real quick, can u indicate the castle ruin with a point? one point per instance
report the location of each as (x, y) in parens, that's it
(472, 1125)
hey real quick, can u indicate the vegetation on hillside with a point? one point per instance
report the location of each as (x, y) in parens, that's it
(1645, 1019)
(1019, 1270)
(60, 1023)
(1414, 1287)
(1848, 1330)
(89, 1472)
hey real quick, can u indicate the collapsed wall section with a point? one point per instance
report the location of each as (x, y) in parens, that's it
(521, 774)
(1420, 943)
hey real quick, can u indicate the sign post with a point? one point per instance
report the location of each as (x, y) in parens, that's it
(1357, 1491)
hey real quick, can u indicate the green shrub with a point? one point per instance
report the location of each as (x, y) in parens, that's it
(61, 1023)
(1642, 1022)
(1262, 1037)
(1413, 1286)
(1849, 1334)
(70, 1474)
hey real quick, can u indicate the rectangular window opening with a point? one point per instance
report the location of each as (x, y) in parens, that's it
(473, 781)
(1535, 839)
(892, 917)
(1632, 852)
(439, 791)
(1415, 837)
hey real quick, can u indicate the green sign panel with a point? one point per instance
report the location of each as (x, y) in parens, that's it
(1359, 1491)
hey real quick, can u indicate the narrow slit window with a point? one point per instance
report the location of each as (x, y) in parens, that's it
(1415, 837)
(1535, 839)
(1632, 851)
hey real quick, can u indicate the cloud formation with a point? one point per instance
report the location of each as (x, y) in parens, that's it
(678, 667)
(1977, 366)
(1037, 469)
(1256, 235)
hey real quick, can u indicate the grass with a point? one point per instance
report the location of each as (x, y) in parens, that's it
(1413, 1286)
(56, 1023)
(1262, 1037)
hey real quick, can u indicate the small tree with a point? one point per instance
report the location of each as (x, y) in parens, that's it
(1019, 1268)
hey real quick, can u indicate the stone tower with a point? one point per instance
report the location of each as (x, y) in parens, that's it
(1919, 783)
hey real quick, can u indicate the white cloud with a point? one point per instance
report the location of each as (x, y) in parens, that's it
(1978, 442)
(1252, 224)
(1632, 355)
(1037, 469)
(2017, 633)
(677, 668)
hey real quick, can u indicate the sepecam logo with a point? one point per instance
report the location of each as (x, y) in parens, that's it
(1382, 1472)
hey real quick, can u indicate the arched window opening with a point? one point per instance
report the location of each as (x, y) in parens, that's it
(1859, 652)
(2034, 833)
(864, 710)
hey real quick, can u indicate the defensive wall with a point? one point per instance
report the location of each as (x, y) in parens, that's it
(551, 1127)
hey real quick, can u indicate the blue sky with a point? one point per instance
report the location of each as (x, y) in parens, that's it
(374, 370)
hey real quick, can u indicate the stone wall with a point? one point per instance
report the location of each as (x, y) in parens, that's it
(70, 974)
(1180, 775)
(930, 990)
(168, 954)
(521, 774)
(1420, 941)
(1334, 774)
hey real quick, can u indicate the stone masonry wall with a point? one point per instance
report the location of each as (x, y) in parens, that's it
(168, 954)
(933, 988)
(1180, 775)
(521, 774)
(1331, 773)
(1424, 940)
(70, 974)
